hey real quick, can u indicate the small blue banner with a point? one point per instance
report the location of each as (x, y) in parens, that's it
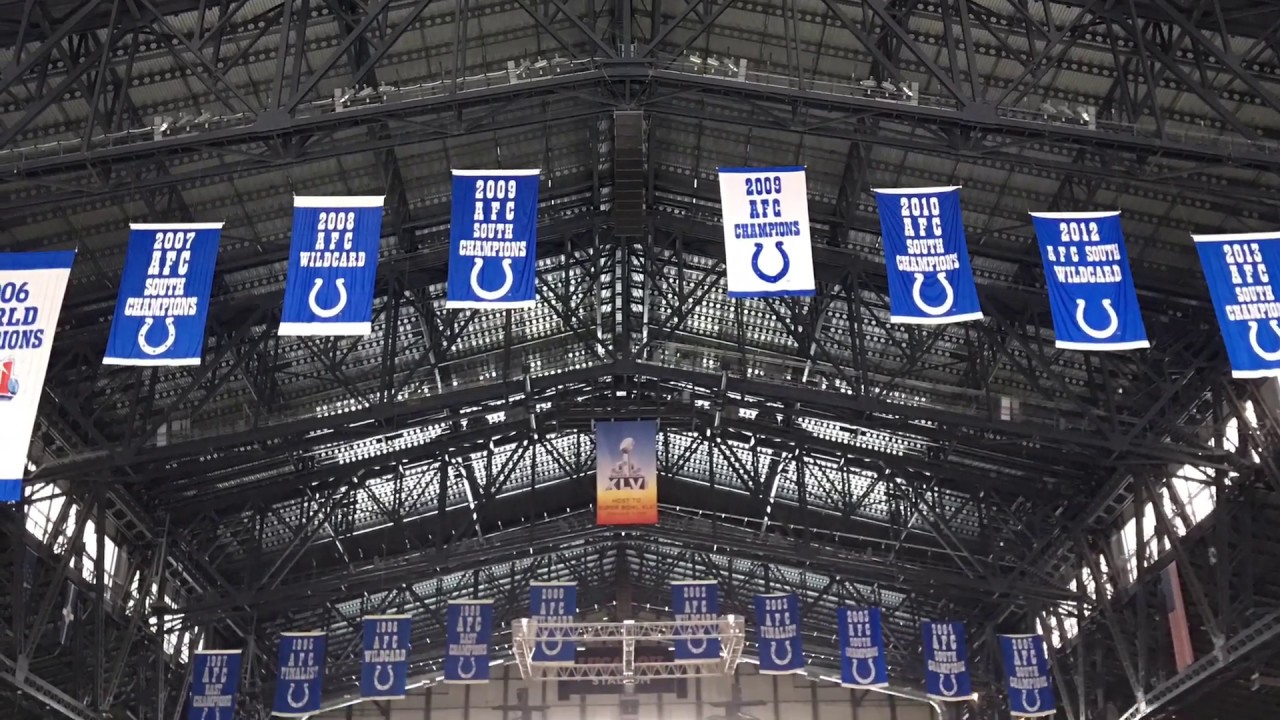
(1086, 270)
(468, 632)
(333, 265)
(862, 662)
(384, 664)
(301, 680)
(926, 256)
(1241, 271)
(553, 603)
(779, 646)
(164, 294)
(1026, 669)
(215, 680)
(946, 661)
(493, 253)
(696, 607)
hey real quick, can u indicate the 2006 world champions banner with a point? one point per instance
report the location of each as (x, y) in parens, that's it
(333, 265)
(1026, 670)
(946, 661)
(384, 663)
(31, 290)
(215, 680)
(627, 472)
(779, 645)
(301, 681)
(926, 256)
(767, 249)
(1242, 273)
(862, 662)
(696, 607)
(552, 604)
(468, 630)
(493, 253)
(1086, 270)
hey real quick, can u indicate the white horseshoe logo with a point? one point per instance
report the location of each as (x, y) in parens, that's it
(942, 685)
(327, 312)
(1026, 704)
(696, 646)
(864, 680)
(773, 653)
(468, 674)
(391, 677)
(933, 309)
(306, 695)
(491, 294)
(1113, 323)
(1271, 356)
(549, 648)
(162, 347)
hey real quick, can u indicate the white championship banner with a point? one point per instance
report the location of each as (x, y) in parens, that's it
(767, 251)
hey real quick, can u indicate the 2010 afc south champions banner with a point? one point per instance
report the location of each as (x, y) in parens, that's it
(862, 663)
(778, 642)
(493, 239)
(164, 294)
(333, 265)
(627, 472)
(926, 256)
(946, 661)
(468, 631)
(767, 249)
(301, 681)
(1026, 669)
(696, 607)
(215, 680)
(384, 666)
(1240, 270)
(31, 290)
(1086, 269)
(552, 604)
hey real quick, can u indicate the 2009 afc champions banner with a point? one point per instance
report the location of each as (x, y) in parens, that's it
(215, 680)
(946, 661)
(862, 663)
(627, 472)
(926, 256)
(31, 289)
(1026, 669)
(552, 604)
(1086, 270)
(164, 294)
(468, 632)
(301, 681)
(767, 248)
(384, 661)
(493, 253)
(1243, 271)
(695, 605)
(333, 265)
(779, 646)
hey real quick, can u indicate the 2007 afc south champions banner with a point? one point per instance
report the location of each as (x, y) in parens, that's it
(767, 249)
(493, 246)
(301, 681)
(215, 680)
(1026, 669)
(384, 666)
(31, 290)
(779, 646)
(333, 265)
(946, 661)
(862, 662)
(1241, 271)
(696, 607)
(926, 256)
(551, 604)
(468, 631)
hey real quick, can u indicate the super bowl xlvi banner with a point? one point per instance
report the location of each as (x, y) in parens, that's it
(493, 253)
(164, 294)
(469, 628)
(215, 680)
(1240, 271)
(926, 256)
(1086, 269)
(627, 472)
(946, 661)
(384, 661)
(862, 663)
(767, 250)
(31, 290)
(1026, 670)
(301, 680)
(333, 265)
(696, 607)
(551, 604)
(778, 642)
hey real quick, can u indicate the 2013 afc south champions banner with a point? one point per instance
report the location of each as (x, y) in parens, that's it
(778, 642)
(767, 249)
(696, 607)
(1026, 670)
(1086, 269)
(333, 265)
(862, 663)
(1241, 271)
(552, 604)
(926, 256)
(215, 680)
(946, 661)
(164, 294)
(31, 290)
(493, 239)
(627, 472)
(301, 681)
(384, 666)
(468, 631)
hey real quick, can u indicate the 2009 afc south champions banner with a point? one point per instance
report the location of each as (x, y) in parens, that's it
(493, 253)
(926, 256)
(1026, 669)
(301, 682)
(627, 472)
(862, 661)
(552, 604)
(1241, 271)
(468, 631)
(384, 666)
(696, 607)
(946, 661)
(31, 290)
(1086, 270)
(778, 642)
(333, 265)
(767, 249)
(215, 680)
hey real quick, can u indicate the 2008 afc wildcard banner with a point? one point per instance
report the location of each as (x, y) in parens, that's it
(946, 661)
(468, 631)
(696, 607)
(1243, 271)
(333, 265)
(215, 680)
(779, 644)
(1026, 669)
(627, 472)
(301, 681)
(384, 666)
(164, 294)
(767, 249)
(926, 256)
(493, 239)
(862, 662)
(552, 604)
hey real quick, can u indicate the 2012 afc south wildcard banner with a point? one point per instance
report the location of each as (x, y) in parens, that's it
(627, 472)
(767, 249)
(926, 256)
(215, 680)
(333, 265)
(1241, 271)
(493, 239)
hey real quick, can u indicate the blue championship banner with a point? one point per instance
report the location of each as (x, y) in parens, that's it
(926, 256)
(1086, 270)
(696, 607)
(767, 250)
(215, 680)
(468, 631)
(384, 662)
(779, 646)
(493, 239)
(862, 663)
(552, 603)
(946, 661)
(1026, 670)
(333, 265)
(1238, 271)
(164, 294)
(31, 290)
(301, 681)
